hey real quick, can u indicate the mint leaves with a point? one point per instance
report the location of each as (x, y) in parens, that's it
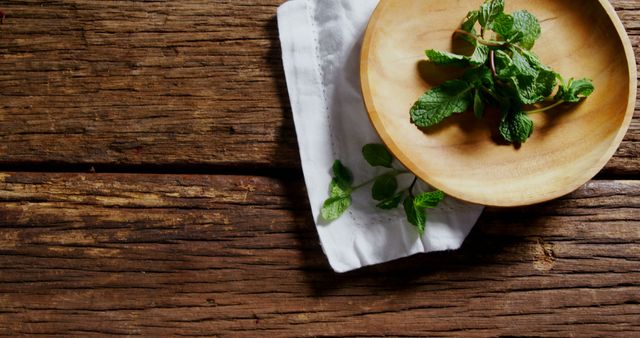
(525, 30)
(339, 193)
(384, 190)
(384, 187)
(502, 72)
(575, 90)
(516, 127)
(479, 56)
(377, 155)
(441, 102)
(416, 207)
(489, 11)
(445, 58)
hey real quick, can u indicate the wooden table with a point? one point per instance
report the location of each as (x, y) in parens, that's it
(150, 185)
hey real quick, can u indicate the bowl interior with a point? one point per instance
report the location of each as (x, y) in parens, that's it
(580, 38)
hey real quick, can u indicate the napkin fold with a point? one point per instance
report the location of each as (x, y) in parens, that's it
(321, 42)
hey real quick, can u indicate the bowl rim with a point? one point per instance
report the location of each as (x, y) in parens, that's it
(375, 120)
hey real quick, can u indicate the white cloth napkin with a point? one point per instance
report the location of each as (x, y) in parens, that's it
(320, 51)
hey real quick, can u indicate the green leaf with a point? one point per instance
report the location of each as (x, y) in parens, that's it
(533, 90)
(521, 27)
(524, 87)
(546, 82)
(415, 216)
(516, 127)
(337, 188)
(530, 80)
(468, 26)
(504, 97)
(391, 202)
(503, 25)
(528, 25)
(478, 104)
(334, 207)
(384, 187)
(429, 199)
(575, 90)
(377, 155)
(445, 58)
(480, 56)
(489, 10)
(514, 65)
(342, 174)
(441, 102)
(470, 21)
(521, 65)
(533, 60)
(480, 76)
(526, 90)
(504, 64)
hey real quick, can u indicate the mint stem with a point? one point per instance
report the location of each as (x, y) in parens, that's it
(492, 58)
(545, 108)
(413, 184)
(481, 40)
(395, 172)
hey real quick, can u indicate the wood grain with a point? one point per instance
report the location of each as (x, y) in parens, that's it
(180, 83)
(234, 255)
(198, 84)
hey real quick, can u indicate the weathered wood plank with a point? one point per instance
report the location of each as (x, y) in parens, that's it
(195, 82)
(228, 255)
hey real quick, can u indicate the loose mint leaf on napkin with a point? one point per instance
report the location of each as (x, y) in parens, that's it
(528, 26)
(445, 58)
(336, 189)
(377, 155)
(489, 10)
(391, 202)
(429, 199)
(342, 174)
(516, 127)
(575, 90)
(339, 193)
(415, 216)
(384, 187)
(441, 102)
(334, 207)
(416, 208)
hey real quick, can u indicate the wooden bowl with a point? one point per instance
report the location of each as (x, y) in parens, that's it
(580, 38)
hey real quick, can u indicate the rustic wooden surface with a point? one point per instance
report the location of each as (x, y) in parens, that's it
(202, 225)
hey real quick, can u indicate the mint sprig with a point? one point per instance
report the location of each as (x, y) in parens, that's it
(502, 72)
(384, 190)
(339, 193)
